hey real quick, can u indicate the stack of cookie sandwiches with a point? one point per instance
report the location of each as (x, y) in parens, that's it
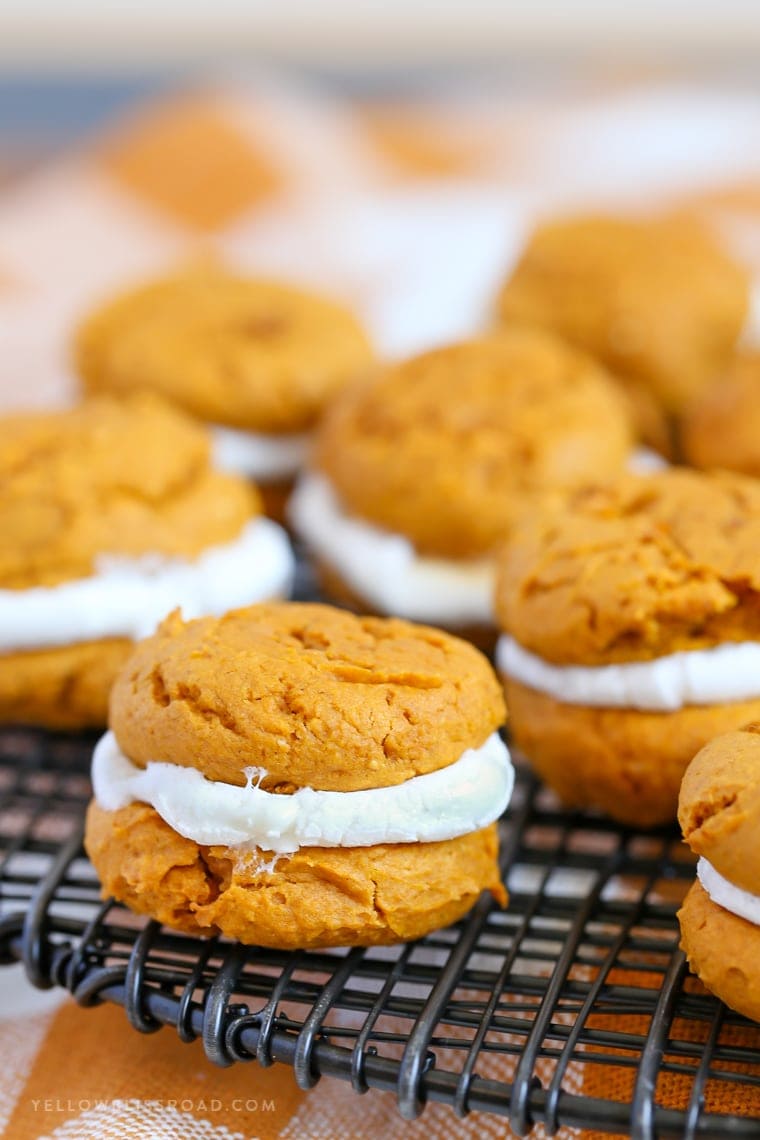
(721, 426)
(257, 360)
(630, 617)
(112, 514)
(421, 473)
(295, 776)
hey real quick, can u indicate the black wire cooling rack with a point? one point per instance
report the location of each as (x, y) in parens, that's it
(571, 1007)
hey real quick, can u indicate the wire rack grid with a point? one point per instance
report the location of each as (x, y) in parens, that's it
(571, 1007)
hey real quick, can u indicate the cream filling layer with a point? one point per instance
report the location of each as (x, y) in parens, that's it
(257, 455)
(450, 802)
(383, 568)
(726, 894)
(127, 597)
(714, 676)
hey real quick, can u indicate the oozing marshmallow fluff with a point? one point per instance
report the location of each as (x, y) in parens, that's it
(450, 802)
(127, 597)
(265, 458)
(726, 894)
(384, 568)
(714, 676)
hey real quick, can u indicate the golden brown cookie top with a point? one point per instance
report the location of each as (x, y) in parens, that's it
(316, 696)
(635, 569)
(656, 299)
(721, 428)
(719, 806)
(443, 448)
(232, 350)
(109, 477)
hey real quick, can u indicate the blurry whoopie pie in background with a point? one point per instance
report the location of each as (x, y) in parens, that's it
(419, 474)
(657, 300)
(256, 360)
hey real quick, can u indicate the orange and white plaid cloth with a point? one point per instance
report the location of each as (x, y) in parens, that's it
(410, 211)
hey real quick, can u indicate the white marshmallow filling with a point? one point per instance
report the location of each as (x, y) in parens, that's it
(450, 802)
(257, 455)
(726, 894)
(718, 675)
(384, 568)
(128, 597)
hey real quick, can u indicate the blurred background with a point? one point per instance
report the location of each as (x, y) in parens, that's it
(394, 153)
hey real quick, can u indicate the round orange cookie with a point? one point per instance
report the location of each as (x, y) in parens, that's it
(627, 574)
(721, 427)
(719, 813)
(656, 300)
(318, 698)
(719, 805)
(247, 353)
(445, 447)
(107, 479)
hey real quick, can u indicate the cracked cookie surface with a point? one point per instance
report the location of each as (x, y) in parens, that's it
(444, 448)
(315, 897)
(636, 569)
(316, 696)
(719, 806)
(657, 300)
(247, 353)
(109, 478)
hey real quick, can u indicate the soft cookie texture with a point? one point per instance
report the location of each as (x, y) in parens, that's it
(316, 696)
(638, 569)
(721, 427)
(719, 806)
(315, 897)
(250, 354)
(656, 299)
(723, 950)
(624, 762)
(719, 813)
(116, 478)
(320, 698)
(444, 448)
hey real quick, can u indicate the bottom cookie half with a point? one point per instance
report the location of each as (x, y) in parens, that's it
(315, 897)
(629, 764)
(723, 951)
(65, 688)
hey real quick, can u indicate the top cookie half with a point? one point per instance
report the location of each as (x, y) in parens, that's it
(444, 448)
(316, 696)
(657, 300)
(635, 569)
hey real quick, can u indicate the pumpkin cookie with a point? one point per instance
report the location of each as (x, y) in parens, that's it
(721, 428)
(296, 776)
(631, 619)
(656, 300)
(112, 515)
(258, 361)
(419, 474)
(719, 813)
